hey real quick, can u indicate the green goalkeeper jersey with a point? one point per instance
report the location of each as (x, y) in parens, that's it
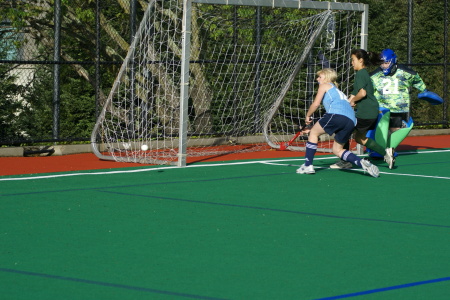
(392, 91)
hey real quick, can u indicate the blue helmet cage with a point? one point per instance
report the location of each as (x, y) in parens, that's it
(388, 55)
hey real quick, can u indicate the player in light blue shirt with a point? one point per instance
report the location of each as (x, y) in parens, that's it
(339, 120)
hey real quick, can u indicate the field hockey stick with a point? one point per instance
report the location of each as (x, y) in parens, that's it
(285, 145)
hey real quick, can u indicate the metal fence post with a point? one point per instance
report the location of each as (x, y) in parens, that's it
(56, 70)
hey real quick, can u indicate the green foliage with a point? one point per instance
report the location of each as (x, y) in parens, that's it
(37, 116)
(78, 113)
(388, 28)
(77, 106)
(10, 107)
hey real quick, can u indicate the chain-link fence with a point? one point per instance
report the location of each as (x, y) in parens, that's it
(58, 60)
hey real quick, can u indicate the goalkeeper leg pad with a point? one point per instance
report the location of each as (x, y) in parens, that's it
(398, 136)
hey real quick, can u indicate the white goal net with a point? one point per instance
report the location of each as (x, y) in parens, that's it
(251, 78)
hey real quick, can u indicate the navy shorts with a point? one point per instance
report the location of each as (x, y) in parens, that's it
(339, 125)
(364, 125)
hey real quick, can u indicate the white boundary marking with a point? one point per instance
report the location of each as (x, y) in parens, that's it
(273, 162)
(415, 175)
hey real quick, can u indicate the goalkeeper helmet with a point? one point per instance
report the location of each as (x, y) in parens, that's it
(388, 56)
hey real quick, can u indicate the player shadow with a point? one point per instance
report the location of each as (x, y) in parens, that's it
(406, 147)
(403, 150)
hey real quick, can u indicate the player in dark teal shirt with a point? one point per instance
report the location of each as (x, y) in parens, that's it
(366, 106)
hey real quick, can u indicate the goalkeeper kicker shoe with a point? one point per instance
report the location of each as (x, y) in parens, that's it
(306, 169)
(370, 168)
(390, 158)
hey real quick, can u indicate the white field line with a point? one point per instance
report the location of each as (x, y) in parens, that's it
(415, 175)
(273, 162)
(361, 170)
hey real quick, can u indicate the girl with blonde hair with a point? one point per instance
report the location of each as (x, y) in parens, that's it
(339, 120)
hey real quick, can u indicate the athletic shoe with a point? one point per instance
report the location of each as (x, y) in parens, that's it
(370, 168)
(306, 169)
(390, 158)
(342, 164)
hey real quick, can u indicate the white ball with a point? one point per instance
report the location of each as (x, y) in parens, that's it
(144, 147)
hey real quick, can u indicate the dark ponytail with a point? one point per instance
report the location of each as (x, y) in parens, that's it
(369, 58)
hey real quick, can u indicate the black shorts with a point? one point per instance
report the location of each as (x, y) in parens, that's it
(396, 120)
(339, 125)
(364, 125)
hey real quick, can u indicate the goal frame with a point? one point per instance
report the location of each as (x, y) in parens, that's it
(299, 4)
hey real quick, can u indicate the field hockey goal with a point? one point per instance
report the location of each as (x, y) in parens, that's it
(210, 77)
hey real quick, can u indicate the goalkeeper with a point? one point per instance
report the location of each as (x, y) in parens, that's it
(392, 84)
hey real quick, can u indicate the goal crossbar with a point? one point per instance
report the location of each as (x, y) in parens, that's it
(290, 4)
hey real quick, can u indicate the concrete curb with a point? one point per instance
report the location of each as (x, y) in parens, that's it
(424, 132)
(86, 148)
(45, 150)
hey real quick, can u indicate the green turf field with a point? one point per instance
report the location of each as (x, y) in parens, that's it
(234, 230)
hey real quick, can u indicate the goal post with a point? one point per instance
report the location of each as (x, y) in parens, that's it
(184, 97)
(210, 77)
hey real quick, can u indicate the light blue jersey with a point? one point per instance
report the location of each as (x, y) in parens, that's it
(335, 102)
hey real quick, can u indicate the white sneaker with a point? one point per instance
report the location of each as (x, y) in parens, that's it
(389, 157)
(342, 164)
(306, 169)
(370, 168)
